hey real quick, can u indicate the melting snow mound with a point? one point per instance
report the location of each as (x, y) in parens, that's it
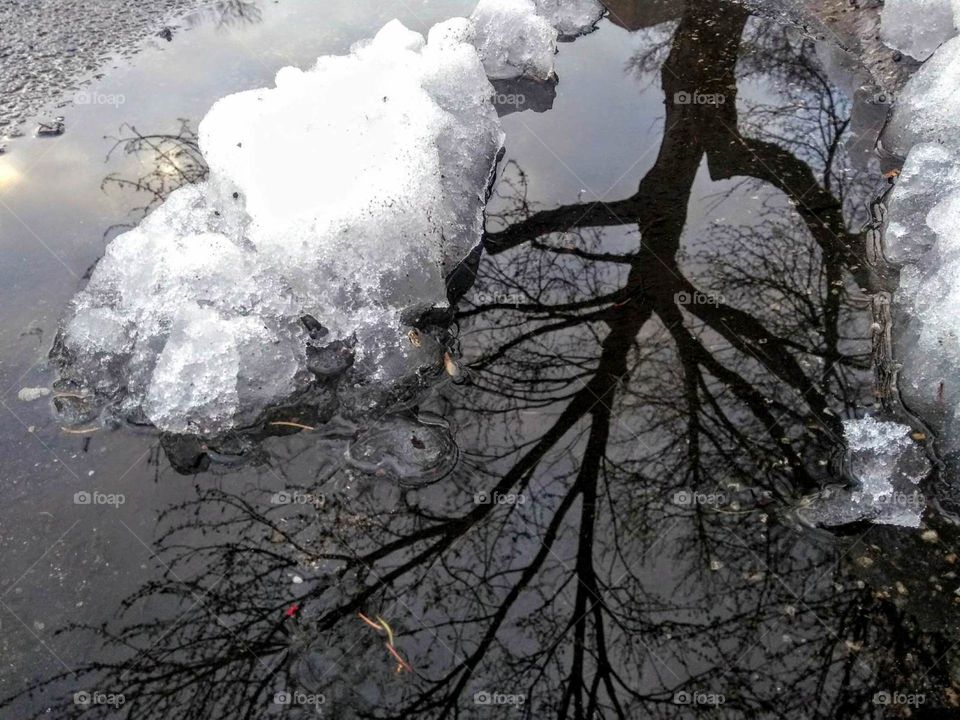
(336, 204)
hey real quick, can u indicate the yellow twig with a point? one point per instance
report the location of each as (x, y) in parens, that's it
(386, 627)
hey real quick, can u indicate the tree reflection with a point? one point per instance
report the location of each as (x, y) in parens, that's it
(173, 160)
(228, 13)
(647, 412)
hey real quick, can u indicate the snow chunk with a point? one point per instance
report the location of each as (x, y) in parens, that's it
(29, 394)
(513, 40)
(887, 466)
(930, 172)
(917, 27)
(879, 453)
(337, 202)
(923, 230)
(928, 336)
(927, 109)
(571, 17)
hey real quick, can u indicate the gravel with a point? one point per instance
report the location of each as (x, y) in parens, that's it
(49, 47)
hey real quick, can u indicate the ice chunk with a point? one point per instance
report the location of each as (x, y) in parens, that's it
(917, 27)
(928, 107)
(881, 453)
(571, 18)
(513, 40)
(336, 201)
(927, 341)
(213, 368)
(923, 230)
(887, 466)
(930, 172)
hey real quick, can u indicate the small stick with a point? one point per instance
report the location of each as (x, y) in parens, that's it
(293, 424)
(369, 622)
(83, 431)
(403, 663)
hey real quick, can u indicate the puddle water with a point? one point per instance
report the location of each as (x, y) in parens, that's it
(671, 320)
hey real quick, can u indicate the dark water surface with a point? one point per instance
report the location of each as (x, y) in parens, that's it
(671, 320)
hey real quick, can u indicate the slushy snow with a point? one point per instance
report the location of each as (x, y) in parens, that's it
(336, 204)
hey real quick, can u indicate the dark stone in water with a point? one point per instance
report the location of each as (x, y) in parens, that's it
(51, 128)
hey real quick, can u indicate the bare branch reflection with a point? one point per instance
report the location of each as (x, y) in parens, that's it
(651, 403)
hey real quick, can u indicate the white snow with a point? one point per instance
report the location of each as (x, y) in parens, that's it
(513, 40)
(345, 193)
(917, 27)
